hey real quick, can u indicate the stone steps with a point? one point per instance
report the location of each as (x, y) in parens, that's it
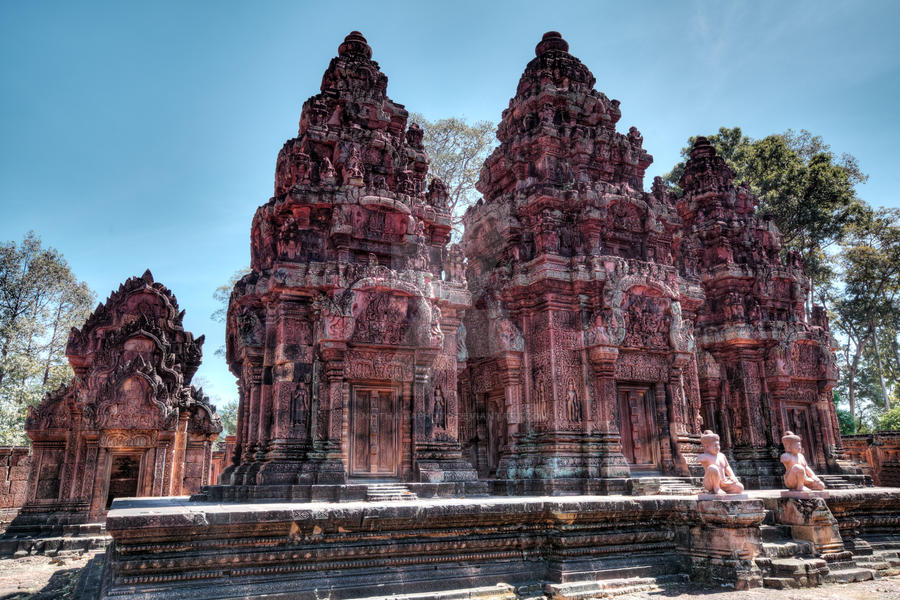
(884, 563)
(669, 486)
(844, 482)
(791, 573)
(51, 546)
(386, 492)
(849, 575)
(611, 588)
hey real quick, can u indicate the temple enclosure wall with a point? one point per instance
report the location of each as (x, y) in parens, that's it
(878, 454)
(15, 464)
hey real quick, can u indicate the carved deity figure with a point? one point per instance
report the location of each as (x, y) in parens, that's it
(440, 409)
(326, 170)
(573, 404)
(352, 172)
(797, 474)
(718, 478)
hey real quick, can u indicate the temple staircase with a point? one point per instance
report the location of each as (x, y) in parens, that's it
(382, 492)
(845, 482)
(74, 538)
(668, 486)
(611, 588)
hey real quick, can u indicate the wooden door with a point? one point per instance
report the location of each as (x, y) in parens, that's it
(374, 443)
(637, 427)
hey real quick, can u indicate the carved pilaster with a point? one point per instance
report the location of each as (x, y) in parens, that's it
(612, 461)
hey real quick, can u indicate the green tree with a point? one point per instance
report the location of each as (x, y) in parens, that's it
(867, 303)
(40, 301)
(890, 420)
(229, 413)
(457, 150)
(222, 295)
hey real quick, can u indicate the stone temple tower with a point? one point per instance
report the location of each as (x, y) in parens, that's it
(344, 333)
(579, 341)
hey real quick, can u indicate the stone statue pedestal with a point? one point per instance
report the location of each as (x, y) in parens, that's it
(805, 494)
(725, 542)
(810, 520)
(717, 497)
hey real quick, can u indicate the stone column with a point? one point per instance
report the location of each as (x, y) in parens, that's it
(70, 476)
(179, 452)
(605, 411)
(510, 364)
(685, 444)
(330, 467)
(245, 472)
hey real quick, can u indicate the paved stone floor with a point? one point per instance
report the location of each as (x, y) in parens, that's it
(41, 577)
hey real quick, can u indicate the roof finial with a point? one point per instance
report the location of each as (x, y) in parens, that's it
(552, 40)
(355, 44)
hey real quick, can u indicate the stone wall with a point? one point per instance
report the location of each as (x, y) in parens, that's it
(221, 458)
(15, 462)
(878, 454)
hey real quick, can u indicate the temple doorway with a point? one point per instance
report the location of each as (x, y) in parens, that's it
(637, 427)
(124, 473)
(374, 438)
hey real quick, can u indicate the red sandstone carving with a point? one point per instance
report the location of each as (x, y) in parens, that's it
(878, 454)
(129, 423)
(718, 478)
(607, 325)
(344, 335)
(797, 474)
(658, 313)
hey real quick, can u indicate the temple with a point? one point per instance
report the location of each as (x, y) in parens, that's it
(344, 335)
(522, 412)
(592, 331)
(609, 323)
(128, 424)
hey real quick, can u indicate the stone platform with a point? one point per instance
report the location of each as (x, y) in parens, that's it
(559, 547)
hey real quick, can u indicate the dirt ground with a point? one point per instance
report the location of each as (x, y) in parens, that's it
(41, 577)
(54, 578)
(887, 588)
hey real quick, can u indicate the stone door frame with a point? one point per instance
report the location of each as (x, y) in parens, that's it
(396, 391)
(108, 457)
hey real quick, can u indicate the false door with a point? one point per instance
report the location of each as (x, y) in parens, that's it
(637, 426)
(374, 439)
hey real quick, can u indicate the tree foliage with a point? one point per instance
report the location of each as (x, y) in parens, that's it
(890, 420)
(457, 150)
(228, 413)
(222, 295)
(866, 306)
(40, 301)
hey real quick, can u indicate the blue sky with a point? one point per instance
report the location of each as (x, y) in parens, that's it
(136, 136)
